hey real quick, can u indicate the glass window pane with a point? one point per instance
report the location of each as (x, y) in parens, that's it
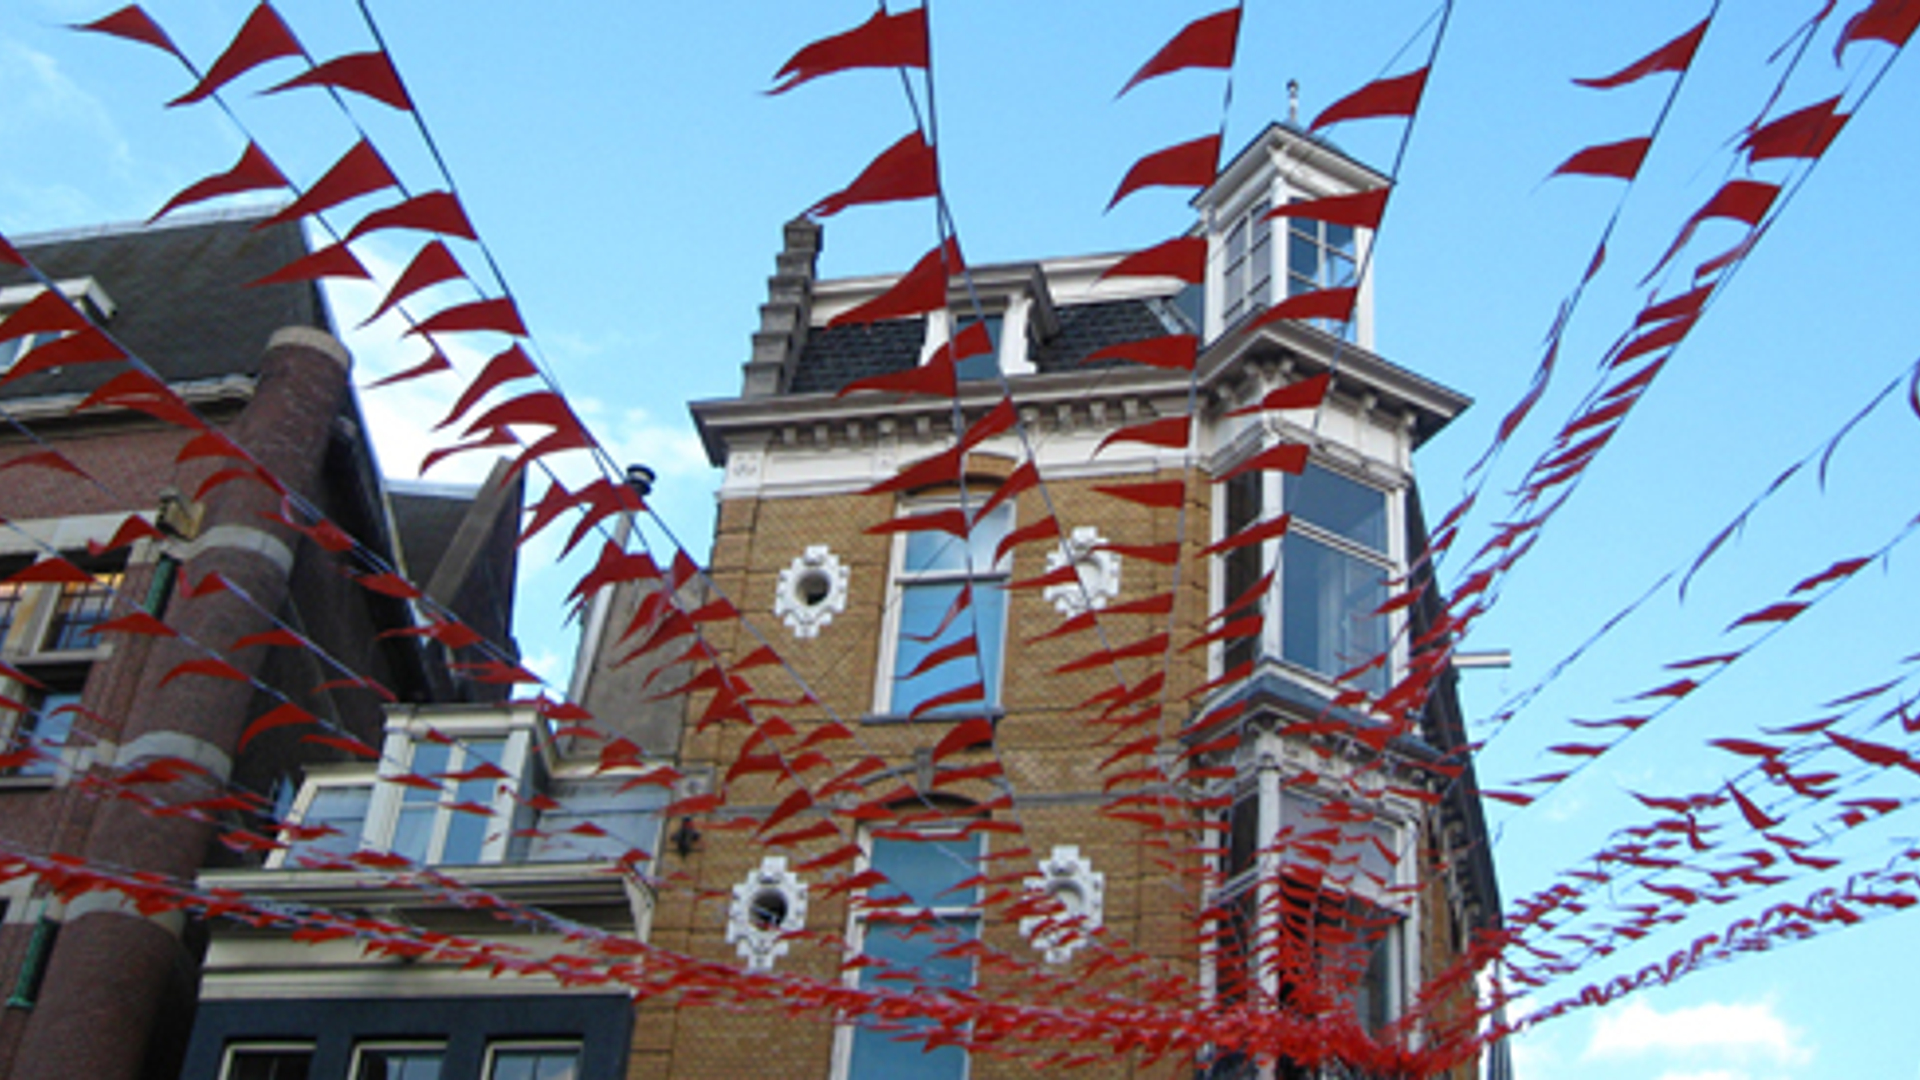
(1341, 506)
(1327, 602)
(10, 593)
(46, 730)
(1339, 271)
(1303, 257)
(344, 808)
(412, 831)
(939, 552)
(257, 1063)
(914, 945)
(1340, 238)
(382, 1063)
(1244, 565)
(926, 870)
(81, 608)
(922, 607)
(466, 836)
(551, 1063)
(428, 760)
(629, 818)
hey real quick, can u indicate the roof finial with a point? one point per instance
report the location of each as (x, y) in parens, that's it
(1293, 102)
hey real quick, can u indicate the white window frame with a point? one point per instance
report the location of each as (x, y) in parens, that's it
(85, 292)
(843, 1034)
(1392, 561)
(263, 1046)
(397, 758)
(539, 1046)
(360, 1049)
(25, 641)
(321, 777)
(1244, 287)
(1263, 757)
(899, 579)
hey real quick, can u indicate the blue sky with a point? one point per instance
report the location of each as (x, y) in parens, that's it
(630, 178)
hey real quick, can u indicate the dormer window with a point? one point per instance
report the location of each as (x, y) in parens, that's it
(984, 365)
(1248, 284)
(85, 292)
(1320, 255)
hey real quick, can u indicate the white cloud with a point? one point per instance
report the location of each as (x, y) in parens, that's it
(1736, 1033)
(38, 92)
(1710, 1074)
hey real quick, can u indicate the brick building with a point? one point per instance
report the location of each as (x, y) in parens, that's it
(96, 988)
(865, 615)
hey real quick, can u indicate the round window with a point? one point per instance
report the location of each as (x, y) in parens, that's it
(813, 587)
(768, 910)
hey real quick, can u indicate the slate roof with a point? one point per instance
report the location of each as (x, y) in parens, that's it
(837, 355)
(426, 521)
(179, 292)
(1088, 328)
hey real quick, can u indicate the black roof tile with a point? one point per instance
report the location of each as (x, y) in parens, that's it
(180, 296)
(837, 355)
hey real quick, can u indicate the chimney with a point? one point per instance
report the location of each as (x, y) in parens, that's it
(784, 317)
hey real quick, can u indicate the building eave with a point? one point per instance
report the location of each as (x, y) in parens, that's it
(1357, 373)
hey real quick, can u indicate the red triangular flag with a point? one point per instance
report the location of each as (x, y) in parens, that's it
(433, 211)
(132, 23)
(1891, 21)
(332, 261)
(1206, 42)
(498, 315)
(435, 361)
(431, 266)
(1183, 257)
(511, 363)
(1336, 304)
(1618, 159)
(1362, 209)
(1803, 134)
(936, 377)
(905, 170)
(1187, 164)
(47, 313)
(1171, 432)
(1745, 201)
(369, 73)
(253, 172)
(89, 346)
(1398, 96)
(1287, 458)
(1163, 494)
(1302, 394)
(262, 37)
(359, 171)
(1175, 352)
(898, 40)
(919, 290)
(1675, 55)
